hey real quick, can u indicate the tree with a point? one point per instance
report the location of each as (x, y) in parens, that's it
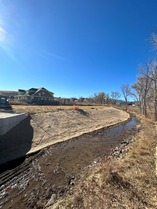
(142, 87)
(152, 76)
(107, 100)
(146, 87)
(81, 99)
(154, 40)
(126, 91)
(99, 98)
(114, 96)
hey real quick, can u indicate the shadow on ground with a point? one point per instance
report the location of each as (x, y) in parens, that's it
(16, 143)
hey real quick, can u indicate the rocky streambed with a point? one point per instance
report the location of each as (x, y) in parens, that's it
(51, 172)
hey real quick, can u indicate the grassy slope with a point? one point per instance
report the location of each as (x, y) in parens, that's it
(43, 109)
(126, 182)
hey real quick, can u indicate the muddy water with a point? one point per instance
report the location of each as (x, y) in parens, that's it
(51, 170)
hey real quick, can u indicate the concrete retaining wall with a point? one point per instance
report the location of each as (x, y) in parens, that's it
(10, 120)
(17, 137)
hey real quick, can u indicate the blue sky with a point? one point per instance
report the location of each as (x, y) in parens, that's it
(74, 47)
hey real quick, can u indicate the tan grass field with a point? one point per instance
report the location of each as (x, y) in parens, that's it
(38, 109)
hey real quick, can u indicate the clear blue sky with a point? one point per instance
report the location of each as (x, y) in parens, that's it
(74, 47)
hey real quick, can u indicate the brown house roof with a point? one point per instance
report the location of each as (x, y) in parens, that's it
(43, 90)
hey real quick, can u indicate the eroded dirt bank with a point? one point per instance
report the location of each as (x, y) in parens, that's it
(54, 170)
(52, 127)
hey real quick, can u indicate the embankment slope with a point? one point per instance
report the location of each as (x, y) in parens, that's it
(56, 126)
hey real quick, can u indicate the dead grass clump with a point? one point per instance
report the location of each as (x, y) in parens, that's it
(82, 112)
(141, 163)
(89, 193)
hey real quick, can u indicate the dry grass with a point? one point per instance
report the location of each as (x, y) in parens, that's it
(39, 108)
(127, 183)
(138, 168)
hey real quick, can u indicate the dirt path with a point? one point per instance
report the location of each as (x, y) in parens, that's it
(61, 125)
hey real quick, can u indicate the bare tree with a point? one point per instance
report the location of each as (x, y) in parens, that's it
(146, 85)
(99, 98)
(107, 100)
(115, 96)
(126, 91)
(142, 87)
(153, 78)
(138, 96)
(154, 40)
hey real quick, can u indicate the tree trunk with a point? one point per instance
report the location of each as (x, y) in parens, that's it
(144, 107)
(126, 105)
(155, 101)
(155, 109)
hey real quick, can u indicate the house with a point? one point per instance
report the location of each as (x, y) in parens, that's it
(8, 94)
(64, 101)
(35, 96)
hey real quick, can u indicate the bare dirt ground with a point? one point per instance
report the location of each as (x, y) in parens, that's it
(52, 124)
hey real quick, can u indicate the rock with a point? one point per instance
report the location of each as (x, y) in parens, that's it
(116, 153)
(71, 179)
(51, 200)
(138, 127)
(116, 148)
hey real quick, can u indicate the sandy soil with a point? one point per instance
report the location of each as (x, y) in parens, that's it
(60, 125)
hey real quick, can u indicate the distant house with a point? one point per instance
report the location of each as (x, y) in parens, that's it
(64, 101)
(8, 94)
(35, 96)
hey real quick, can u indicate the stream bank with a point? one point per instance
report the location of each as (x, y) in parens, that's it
(53, 170)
